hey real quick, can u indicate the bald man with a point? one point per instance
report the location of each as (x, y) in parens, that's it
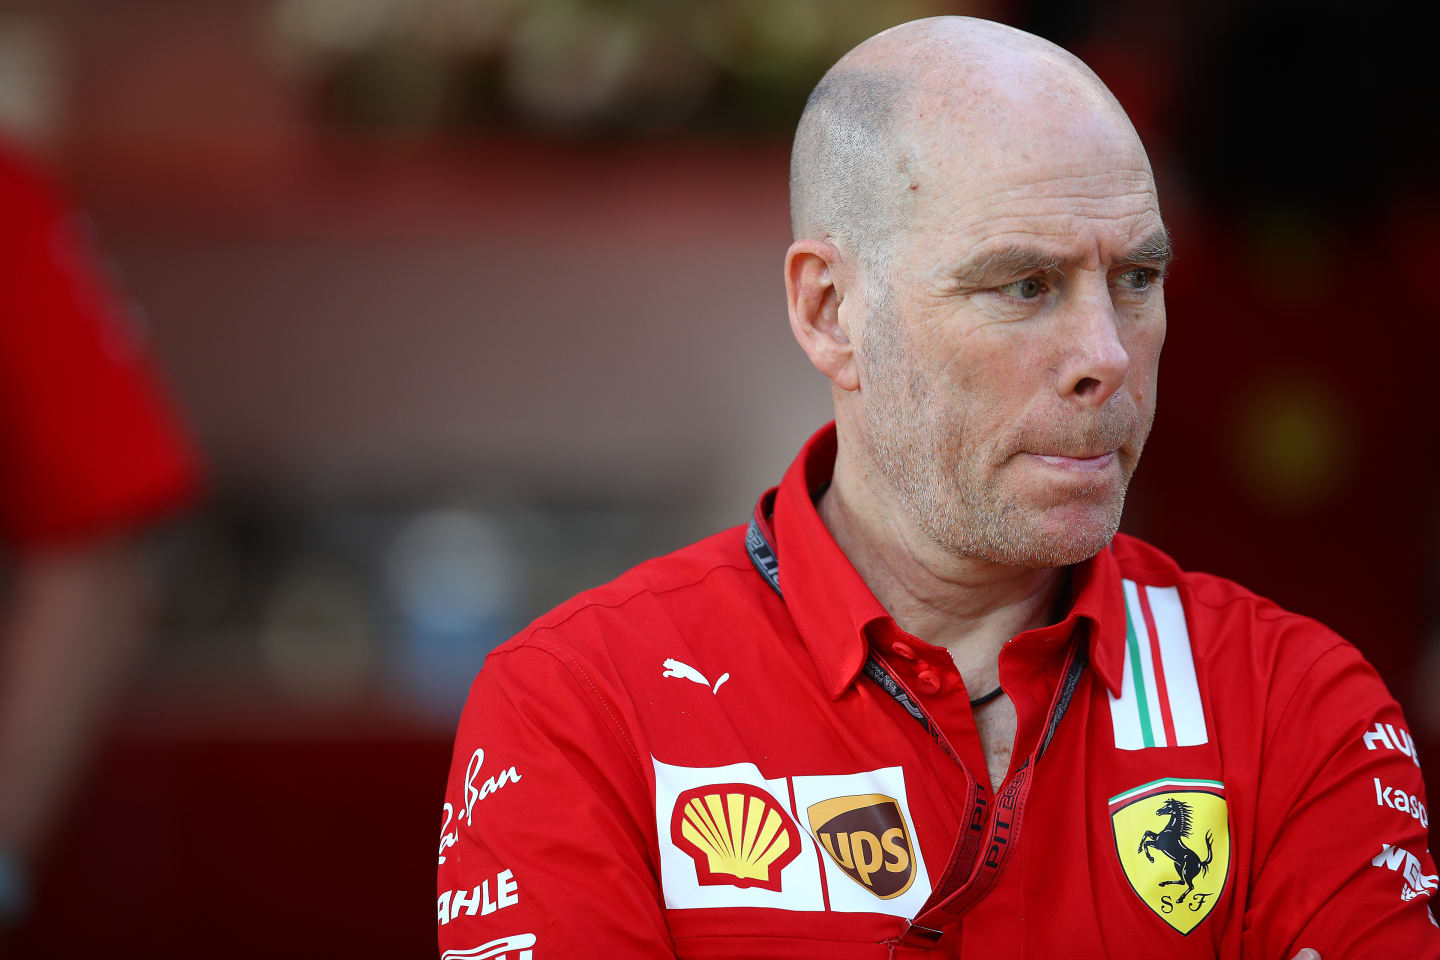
(928, 701)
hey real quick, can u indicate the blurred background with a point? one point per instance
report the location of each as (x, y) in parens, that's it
(467, 305)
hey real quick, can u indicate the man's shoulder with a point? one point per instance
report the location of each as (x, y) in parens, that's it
(1207, 592)
(652, 601)
(1232, 629)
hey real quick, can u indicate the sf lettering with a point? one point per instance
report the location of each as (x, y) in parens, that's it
(866, 853)
(1195, 904)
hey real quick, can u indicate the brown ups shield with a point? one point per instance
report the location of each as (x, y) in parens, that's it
(867, 837)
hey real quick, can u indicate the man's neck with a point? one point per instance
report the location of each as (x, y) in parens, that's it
(970, 607)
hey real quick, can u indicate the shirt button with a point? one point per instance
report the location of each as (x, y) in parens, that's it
(903, 650)
(928, 681)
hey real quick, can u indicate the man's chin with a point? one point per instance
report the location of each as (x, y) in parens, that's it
(1059, 537)
(1062, 553)
(1076, 532)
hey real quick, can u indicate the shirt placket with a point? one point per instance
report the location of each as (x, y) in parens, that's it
(1030, 669)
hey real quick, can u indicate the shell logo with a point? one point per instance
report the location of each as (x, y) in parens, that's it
(736, 833)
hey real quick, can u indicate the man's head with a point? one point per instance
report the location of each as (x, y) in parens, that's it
(976, 267)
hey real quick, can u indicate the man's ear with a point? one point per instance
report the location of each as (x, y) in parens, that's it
(814, 293)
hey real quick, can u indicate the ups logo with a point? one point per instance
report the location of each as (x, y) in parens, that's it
(868, 838)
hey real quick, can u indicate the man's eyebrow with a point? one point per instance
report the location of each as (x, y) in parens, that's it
(1154, 249)
(1006, 263)
(1009, 262)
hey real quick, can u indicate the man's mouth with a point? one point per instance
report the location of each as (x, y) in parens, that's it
(1082, 462)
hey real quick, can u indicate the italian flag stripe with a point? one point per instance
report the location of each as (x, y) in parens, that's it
(1159, 703)
(1155, 786)
(1158, 659)
(1179, 666)
(1135, 674)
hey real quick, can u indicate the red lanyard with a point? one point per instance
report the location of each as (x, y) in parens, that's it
(993, 828)
(965, 881)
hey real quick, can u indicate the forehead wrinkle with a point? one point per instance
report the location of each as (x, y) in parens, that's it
(973, 204)
(1022, 210)
(1054, 233)
(1040, 216)
(1089, 188)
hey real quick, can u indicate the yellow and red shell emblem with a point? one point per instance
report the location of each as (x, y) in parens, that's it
(736, 833)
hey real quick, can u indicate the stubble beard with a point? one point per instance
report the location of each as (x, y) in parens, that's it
(942, 486)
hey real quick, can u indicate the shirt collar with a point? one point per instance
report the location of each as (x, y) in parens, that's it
(833, 608)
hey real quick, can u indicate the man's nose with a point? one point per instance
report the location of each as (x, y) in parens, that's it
(1095, 361)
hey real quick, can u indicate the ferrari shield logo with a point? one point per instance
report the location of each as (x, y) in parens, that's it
(1173, 840)
(868, 838)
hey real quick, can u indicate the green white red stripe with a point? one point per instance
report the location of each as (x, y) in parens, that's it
(1171, 785)
(1159, 703)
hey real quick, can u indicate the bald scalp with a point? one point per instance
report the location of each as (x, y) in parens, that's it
(850, 161)
(857, 165)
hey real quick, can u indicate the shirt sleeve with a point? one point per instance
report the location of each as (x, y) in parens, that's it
(87, 445)
(1342, 862)
(546, 828)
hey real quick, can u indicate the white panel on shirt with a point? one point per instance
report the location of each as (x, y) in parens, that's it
(800, 886)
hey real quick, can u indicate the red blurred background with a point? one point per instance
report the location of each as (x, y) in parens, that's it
(471, 304)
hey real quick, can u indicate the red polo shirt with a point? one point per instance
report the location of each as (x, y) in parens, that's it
(691, 761)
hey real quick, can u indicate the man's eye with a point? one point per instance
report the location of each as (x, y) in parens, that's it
(1027, 289)
(1139, 279)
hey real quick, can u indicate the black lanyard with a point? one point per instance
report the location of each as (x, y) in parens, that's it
(993, 827)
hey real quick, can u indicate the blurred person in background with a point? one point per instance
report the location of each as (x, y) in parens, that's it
(90, 458)
(819, 735)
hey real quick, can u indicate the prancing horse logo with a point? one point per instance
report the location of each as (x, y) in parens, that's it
(1170, 841)
(1169, 817)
